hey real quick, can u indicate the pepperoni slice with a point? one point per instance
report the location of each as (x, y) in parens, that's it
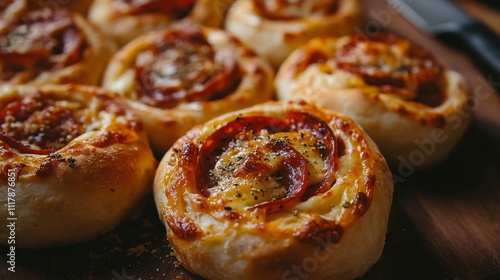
(39, 41)
(293, 167)
(395, 65)
(326, 145)
(175, 8)
(40, 122)
(293, 10)
(184, 67)
(218, 141)
(293, 174)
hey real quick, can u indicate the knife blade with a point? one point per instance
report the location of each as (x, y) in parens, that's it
(445, 21)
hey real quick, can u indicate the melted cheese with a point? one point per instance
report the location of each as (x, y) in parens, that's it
(247, 172)
(299, 8)
(329, 76)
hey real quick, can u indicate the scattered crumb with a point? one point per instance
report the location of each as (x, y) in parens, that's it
(116, 249)
(137, 250)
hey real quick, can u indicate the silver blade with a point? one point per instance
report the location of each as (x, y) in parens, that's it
(433, 16)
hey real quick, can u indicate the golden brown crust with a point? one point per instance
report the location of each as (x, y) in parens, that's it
(223, 224)
(34, 58)
(235, 78)
(285, 26)
(75, 188)
(124, 22)
(405, 112)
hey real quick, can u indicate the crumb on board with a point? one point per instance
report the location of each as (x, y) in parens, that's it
(137, 250)
(117, 249)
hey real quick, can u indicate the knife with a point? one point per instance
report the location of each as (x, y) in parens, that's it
(447, 22)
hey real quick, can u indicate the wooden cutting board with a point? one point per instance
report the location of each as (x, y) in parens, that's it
(444, 224)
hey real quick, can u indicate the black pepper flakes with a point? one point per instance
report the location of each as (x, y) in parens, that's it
(228, 208)
(71, 162)
(321, 145)
(55, 156)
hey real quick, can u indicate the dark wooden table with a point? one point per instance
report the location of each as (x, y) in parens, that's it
(444, 223)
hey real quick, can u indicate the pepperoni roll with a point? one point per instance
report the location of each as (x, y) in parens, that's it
(274, 28)
(77, 159)
(185, 76)
(408, 102)
(253, 193)
(52, 47)
(126, 19)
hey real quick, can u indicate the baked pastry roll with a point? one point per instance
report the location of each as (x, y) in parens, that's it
(126, 19)
(254, 193)
(274, 28)
(52, 47)
(405, 100)
(185, 76)
(74, 162)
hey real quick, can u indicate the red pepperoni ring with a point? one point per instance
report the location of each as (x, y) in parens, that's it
(292, 169)
(186, 68)
(293, 172)
(38, 122)
(417, 77)
(328, 147)
(41, 40)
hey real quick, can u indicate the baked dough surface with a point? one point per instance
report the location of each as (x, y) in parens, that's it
(184, 76)
(52, 47)
(125, 20)
(408, 103)
(273, 29)
(79, 158)
(255, 192)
